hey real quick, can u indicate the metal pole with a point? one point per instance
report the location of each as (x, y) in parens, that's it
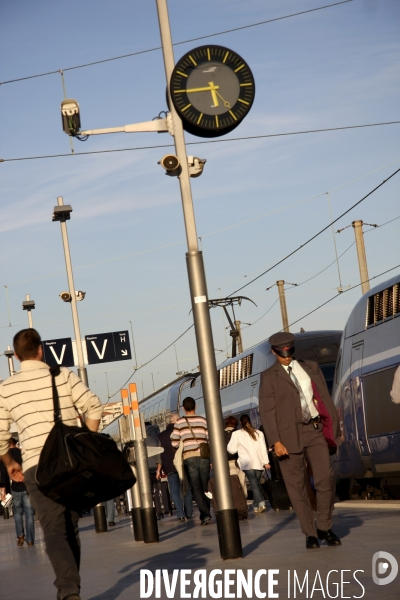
(362, 258)
(81, 364)
(152, 377)
(282, 302)
(30, 321)
(239, 336)
(133, 344)
(9, 354)
(147, 510)
(227, 520)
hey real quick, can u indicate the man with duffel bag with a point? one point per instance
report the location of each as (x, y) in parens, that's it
(27, 399)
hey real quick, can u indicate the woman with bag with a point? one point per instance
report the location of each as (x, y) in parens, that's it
(249, 443)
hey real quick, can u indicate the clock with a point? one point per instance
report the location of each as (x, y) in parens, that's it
(212, 89)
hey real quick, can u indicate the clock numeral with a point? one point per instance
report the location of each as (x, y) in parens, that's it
(199, 119)
(238, 69)
(185, 107)
(208, 54)
(184, 75)
(241, 84)
(225, 57)
(243, 101)
(233, 115)
(193, 61)
(216, 121)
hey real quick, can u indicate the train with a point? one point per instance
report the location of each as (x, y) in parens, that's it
(367, 464)
(358, 364)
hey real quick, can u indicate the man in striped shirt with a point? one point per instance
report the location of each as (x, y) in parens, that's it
(26, 398)
(192, 431)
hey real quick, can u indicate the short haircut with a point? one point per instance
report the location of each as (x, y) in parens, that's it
(27, 343)
(172, 418)
(231, 421)
(189, 404)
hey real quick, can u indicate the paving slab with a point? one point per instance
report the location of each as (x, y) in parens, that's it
(112, 562)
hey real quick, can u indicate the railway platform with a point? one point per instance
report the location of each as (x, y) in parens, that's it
(273, 546)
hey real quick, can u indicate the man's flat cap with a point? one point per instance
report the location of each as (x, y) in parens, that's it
(282, 339)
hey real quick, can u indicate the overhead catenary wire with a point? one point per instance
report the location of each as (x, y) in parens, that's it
(316, 235)
(281, 208)
(217, 141)
(195, 39)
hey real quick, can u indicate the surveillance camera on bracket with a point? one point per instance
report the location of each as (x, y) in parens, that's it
(171, 164)
(65, 296)
(79, 295)
(195, 165)
(70, 116)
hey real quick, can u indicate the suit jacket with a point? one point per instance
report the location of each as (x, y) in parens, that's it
(280, 406)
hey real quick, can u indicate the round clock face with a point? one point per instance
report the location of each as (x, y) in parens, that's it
(212, 89)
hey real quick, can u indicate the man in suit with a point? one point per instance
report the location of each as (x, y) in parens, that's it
(293, 427)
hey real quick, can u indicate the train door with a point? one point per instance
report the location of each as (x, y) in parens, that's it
(358, 402)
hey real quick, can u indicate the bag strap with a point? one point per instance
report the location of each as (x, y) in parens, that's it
(54, 371)
(193, 434)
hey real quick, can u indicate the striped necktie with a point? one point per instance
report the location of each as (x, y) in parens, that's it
(304, 406)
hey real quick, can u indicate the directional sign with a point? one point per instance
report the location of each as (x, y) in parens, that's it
(58, 352)
(108, 347)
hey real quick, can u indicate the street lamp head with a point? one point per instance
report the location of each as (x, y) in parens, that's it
(65, 296)
(62, 213)
(80, 295)
(171, 164)
(28, 305)
(70, 116)
(196, 165)
(9, 353)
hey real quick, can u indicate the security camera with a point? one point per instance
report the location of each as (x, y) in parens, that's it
(195, 165)
(65, 296)
(80, 295)
(71, 120)
(171, 164)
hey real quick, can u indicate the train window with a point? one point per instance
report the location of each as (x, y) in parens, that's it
(381, 414)
(383, 305)
(237, 371)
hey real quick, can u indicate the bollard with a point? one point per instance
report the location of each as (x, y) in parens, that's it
(6, 512)
(136, 510)
(100, 522)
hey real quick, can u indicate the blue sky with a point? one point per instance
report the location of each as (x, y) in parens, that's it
(256, 201)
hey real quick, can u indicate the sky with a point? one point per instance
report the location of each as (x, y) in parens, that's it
(257, 200)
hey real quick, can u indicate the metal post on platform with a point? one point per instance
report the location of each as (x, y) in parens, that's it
(147, 510)
(62, 214)
(29, 305)
(9, 354)
(227, 519)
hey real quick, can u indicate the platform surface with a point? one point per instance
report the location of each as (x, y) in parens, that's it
(112, 561)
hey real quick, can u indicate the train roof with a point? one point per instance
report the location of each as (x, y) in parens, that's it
(357, 320)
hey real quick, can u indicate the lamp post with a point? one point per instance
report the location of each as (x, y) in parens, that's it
(62, 214)
(227, 520)
(29, 305)
(9, 354)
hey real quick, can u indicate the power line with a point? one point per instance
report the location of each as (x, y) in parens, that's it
(317, 234)
(203, 37)
(149, 361)
(250, 137)
(341, 294)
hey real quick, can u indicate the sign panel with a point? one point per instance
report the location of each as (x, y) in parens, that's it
(58, 352)
(108, 347)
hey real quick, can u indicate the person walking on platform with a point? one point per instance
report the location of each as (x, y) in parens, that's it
(231, 424)
(26, 398)
(180, 491)
(192, 430)
(289, 392)
(21, 503)
(249, 443)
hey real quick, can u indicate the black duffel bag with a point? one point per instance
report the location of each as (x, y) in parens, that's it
(79, 468)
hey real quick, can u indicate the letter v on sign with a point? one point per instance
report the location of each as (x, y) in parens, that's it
(58, 360)
(100, 354)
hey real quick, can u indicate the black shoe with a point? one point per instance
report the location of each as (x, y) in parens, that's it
(181, 519)
(330, 537)
(206, 521)
(111, 523)
(311, 542)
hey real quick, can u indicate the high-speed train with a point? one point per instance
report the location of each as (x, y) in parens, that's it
(239, 378)
(370, 422)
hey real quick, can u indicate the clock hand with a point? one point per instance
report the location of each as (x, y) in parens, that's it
(226, 103)
(201, 89)
(213, 93)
